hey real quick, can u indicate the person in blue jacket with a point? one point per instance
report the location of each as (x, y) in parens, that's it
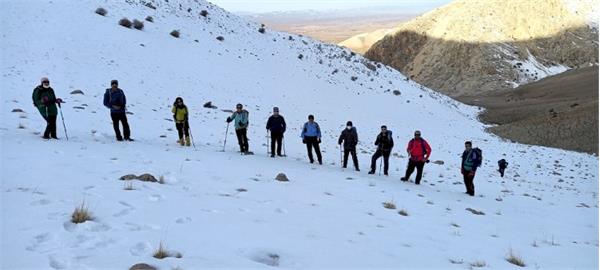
(114, 99)
(311, 136)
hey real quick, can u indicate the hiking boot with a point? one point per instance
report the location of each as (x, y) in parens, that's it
(404, 179)
(45, 137)
(371, 172)
(386, 174)
(272, 156)
(357, 169)
(180, 142)
(120, 139)
(312, 161)
(129, 139)
(187, 141)
(320, 162)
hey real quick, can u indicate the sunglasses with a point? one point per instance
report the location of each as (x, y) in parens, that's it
(417, 135)
(46, 82)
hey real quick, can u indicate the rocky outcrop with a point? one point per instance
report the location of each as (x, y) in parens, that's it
(472, 47)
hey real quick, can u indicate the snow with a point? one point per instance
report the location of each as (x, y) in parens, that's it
(587, 8)
(531, 70)
(223, 210)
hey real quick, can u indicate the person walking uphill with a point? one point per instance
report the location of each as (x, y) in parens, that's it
(45, 101)
(502, 164)
(349, 137)
(276, 125)
(180, 115)
(418, 152)
(385, 143)
(471, 159)
(311, 136)
(240, 121)
(115, 100)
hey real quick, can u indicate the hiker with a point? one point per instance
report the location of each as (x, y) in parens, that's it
(502, 164)
(45, 101)
(180, 115)
(418, 154)
(471, 159)
(276, 125)
(349, 137)
(115, 100)
(240, 121)
(385, 143)
(311, 136)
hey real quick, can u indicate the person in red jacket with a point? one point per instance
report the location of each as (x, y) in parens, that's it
(418, 152)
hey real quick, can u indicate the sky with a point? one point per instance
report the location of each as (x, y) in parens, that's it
(259, 6)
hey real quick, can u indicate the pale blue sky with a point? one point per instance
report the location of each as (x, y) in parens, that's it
(288, 5)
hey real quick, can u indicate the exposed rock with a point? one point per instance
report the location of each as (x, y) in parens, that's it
(142, 266)
(17, 110)
(147, 178)
(396, 92)
(476, 212)
(78, 107)
(209, 105)
(128, 177)
(220, 38)
(439, 162)
(282, 177)
(76, 92)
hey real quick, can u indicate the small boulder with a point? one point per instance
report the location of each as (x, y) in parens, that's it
(220, 38)
(282, 177)
(147, 178)
(17, 110)
(128, 177)
(77, 92)
(209, 105)
(396, 92)
(475, 212)
(142, 266)
(439, 162)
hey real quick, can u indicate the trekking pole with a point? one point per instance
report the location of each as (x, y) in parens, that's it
(341, 156)
(191, 136)
(267, 136)
(381, 161)
(283, 144)
(225, 142)
(63, 121)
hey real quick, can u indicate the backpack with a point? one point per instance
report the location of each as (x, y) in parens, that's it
(422, 145)
(479, 156)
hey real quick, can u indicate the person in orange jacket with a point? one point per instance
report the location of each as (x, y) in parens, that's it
(418, 152)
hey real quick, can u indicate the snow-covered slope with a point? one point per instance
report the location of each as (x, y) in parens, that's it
(225, 210)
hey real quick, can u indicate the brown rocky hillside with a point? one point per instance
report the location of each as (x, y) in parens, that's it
(472, 47)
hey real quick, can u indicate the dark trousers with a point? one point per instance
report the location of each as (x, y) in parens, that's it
(276, 138)
(501, 170)
(411, 168)
(120, 117)
(354, 158)
(50, 126)
(313, 142)
(468, 179)
(386, 160)
(183, 128)
(242, 139)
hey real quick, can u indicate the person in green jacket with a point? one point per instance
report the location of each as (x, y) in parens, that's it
(180, 115)
(240, 121)
(45, 101)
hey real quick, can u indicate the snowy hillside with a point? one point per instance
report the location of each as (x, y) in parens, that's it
(223, 210)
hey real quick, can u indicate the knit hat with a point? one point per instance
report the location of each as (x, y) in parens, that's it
(44, 79)
(349, 123)
(275, 109)
(114, 82)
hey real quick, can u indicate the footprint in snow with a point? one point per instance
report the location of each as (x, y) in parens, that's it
(183, 220)
(140, 249)
(156, 197)
(57, 262)
(40, 202)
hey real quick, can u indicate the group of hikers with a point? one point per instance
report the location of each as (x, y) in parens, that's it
(418, 149)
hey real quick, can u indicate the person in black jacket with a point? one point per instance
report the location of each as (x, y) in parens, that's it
(349, 137)
(276, 125)
(502, 164)
(385, 143)
(45, 101)
(115, 100)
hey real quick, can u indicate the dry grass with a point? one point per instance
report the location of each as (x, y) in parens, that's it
(175, 33)
(162, 253)
(81, 214)
(125, 22)
(137, 24)
(101, 11)
(389, 205)
(129, 185)
(403, 212)
(478, 264)
(515, 259)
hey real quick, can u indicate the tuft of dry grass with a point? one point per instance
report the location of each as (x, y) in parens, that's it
(478, 264)
(515, 259)
(129, 185)
(101, 11)
(389, 205)
(81, 214)
(175, 33)
(161, 252)
(403, 212)
(125, 22)
(137, 24)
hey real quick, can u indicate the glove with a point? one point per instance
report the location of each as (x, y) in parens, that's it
(339, 142)
(59, 100)
(304, 141)
(318, 140)
(427, 161)
(228, 120)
